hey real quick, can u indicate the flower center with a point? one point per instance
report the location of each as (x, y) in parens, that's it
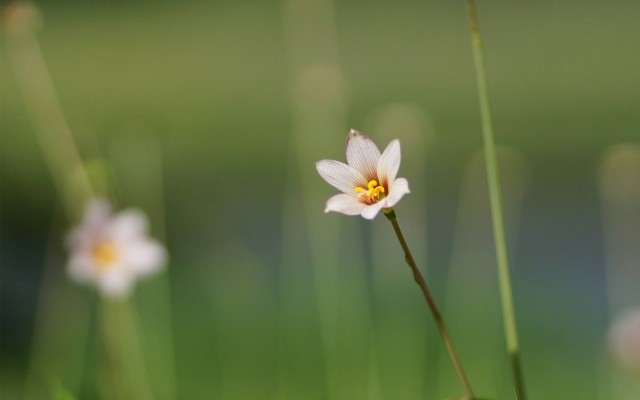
(104, 255)
(373, 194)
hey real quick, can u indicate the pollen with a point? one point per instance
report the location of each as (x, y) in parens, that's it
(373, 194)
(104, 255)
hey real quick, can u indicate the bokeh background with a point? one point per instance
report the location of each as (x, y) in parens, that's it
(210, 116)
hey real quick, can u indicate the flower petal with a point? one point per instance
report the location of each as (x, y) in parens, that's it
(144, 256)
(398, 188)
(341, 176)
(345, 204)
(371, 211)
(128, 224)
(389, 163)
(362, 154)
(80, 267)
(96, 215)
(116, 283)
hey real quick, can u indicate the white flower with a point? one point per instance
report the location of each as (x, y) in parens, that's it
(113, 251)
(368, 182)
(624, 340)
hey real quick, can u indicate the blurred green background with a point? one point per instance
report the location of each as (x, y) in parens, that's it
(211, 115)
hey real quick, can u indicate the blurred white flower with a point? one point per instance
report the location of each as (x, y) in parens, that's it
(368, 181)
(624, 340)
(111, 251)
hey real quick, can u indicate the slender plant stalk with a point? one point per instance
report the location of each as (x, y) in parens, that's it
(125, 374)
(417, 276)
(112, 351)
(34, 81)
(493, 179)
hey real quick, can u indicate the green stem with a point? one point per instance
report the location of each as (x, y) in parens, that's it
(125, 371)
(417, 276)
(112, 345)
(506, 291)
(53, 134)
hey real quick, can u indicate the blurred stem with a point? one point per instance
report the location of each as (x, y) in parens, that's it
(53, 133)
(417, 276)
(124, 375)
(493, 179)
(114, 382)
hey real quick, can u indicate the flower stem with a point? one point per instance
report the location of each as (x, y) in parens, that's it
(417, 276)
(53, 134)
(506, 291)
(112, 345)
(125, 371)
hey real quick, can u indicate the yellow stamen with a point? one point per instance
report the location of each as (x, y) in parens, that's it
(372, 194)
(104, 255)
